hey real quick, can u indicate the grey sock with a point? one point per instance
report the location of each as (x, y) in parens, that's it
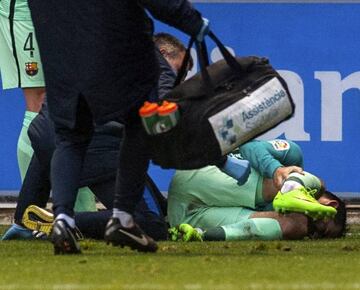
(214, 234)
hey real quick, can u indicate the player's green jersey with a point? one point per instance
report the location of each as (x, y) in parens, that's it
(20, 10)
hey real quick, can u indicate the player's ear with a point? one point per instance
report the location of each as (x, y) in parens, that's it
(163, 51)
(332, 202)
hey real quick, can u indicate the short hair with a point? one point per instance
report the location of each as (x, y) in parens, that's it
(171, 44)
(340, 217)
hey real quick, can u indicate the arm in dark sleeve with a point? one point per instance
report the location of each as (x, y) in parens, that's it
(167, 76)
(177, 13)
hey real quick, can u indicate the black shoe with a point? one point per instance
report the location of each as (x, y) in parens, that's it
(132, 237)
(64, 238)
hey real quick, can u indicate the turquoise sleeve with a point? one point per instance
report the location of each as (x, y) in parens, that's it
(260, 157)
(254, 229)
(267, 156)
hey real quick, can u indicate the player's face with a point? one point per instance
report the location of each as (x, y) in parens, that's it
(177, 62)
(327, 228)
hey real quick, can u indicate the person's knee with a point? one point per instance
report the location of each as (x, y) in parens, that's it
(76, 136)
(41, 134)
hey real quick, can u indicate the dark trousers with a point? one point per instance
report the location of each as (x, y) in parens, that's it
(132, 167)
(92, 224)
(148, 214)
(71, 146)
(68, 158)
(34, 190)
(98, 174)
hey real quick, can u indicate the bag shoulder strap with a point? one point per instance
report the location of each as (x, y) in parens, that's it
(204, 61)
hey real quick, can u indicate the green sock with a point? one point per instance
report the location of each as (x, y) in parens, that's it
(24, 149)
(85, 200)
(306, 179)
(254, 229)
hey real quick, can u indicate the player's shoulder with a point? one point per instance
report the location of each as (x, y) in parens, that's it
(279, 144)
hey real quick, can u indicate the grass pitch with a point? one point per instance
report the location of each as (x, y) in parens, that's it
(326, 264)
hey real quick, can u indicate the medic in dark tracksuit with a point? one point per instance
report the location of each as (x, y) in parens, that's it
(100, 65)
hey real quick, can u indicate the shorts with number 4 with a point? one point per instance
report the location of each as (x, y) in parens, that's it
(20, 63)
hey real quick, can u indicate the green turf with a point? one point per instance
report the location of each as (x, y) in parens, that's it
(326, 264)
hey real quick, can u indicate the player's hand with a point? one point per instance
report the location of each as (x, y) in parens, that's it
(282, 173)
(205, 28)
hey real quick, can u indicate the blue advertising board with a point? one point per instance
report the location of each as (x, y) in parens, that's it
(316, 48)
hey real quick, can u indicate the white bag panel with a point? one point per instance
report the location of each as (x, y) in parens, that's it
(254, 114)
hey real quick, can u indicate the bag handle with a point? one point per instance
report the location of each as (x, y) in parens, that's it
(204, 62)
(229, 58)
(183, 69)
(201, 50)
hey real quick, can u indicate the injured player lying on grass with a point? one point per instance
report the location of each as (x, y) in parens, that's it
(207, 204)
(210, 204)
